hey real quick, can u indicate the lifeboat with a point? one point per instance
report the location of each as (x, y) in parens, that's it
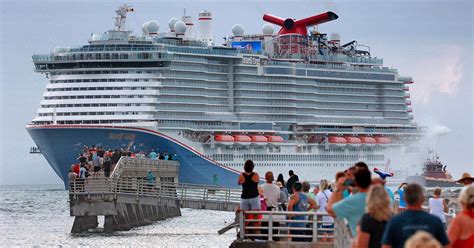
(368, 141)
(337, 140)
(353, 141)
(408, 103)
(408, 82)
(275, 139)
(406, 88)
(259, 140)
(382, 140)
(242, 139)
(224, 139)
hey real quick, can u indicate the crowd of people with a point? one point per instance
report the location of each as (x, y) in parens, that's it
(94, 160)
(361, 198)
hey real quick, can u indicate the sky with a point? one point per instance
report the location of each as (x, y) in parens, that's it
(432, 41)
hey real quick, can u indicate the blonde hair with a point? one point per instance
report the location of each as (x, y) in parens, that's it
(323, 185)
(378, 203)
(466, 198)
(422, 239)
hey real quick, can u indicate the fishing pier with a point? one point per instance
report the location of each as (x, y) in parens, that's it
(127, 199)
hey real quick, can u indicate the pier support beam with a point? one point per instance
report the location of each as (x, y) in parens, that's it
(84, 223)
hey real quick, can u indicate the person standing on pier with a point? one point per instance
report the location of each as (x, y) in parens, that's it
(293, 178)
(322, 199)
(372, 224)
(271, 192)
(438, 206)
(401, 227)
(461, 230)
(250, 196)
(353, 207)
(466, 179)
(401, 191)
(299, 202)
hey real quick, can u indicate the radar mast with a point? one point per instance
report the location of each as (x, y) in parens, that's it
(122, 16)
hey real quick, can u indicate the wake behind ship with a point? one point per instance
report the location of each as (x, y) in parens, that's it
(292, 99)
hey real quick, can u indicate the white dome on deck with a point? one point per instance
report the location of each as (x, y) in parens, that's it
(268, 29)
(172, 22)
(238, 30)
(152, 27)
(144, 28)
(180, 27)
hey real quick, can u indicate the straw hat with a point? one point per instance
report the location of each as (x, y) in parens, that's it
(279, 184)
(465, 177)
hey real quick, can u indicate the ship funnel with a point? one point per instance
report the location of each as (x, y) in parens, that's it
(188, 20)
(205, 27)
(292, 26)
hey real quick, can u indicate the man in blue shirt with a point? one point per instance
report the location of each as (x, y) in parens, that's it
(353, 207)
(401, 227)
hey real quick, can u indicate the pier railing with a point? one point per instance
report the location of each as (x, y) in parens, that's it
(283, 226)
(189, 195)
(127, 166)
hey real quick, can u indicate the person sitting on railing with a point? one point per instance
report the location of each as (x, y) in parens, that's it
(372, 224)
(299, 202)
(461, 230)
(353, 207)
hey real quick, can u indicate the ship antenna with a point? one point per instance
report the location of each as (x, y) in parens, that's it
(122, 16)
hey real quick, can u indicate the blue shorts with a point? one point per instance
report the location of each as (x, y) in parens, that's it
(250, 204)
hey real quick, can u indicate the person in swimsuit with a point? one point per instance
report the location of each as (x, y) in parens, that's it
(461, 230)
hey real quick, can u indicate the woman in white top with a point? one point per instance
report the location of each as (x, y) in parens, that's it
(322, 198)
(438, 206)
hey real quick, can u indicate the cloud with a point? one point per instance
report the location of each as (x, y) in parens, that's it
(441, 71)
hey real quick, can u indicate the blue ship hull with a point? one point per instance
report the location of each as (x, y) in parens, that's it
(62, 144)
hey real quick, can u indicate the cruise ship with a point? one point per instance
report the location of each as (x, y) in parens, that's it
(290, 97)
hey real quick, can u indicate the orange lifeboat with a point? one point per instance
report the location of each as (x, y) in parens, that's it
(369, 141)
(275, 139)
(354, 141)
(259, 140)
(242, 139)
(224, 139)
(337, 140)
(382, 140)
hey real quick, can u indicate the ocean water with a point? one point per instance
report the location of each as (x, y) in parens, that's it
(38, 215)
